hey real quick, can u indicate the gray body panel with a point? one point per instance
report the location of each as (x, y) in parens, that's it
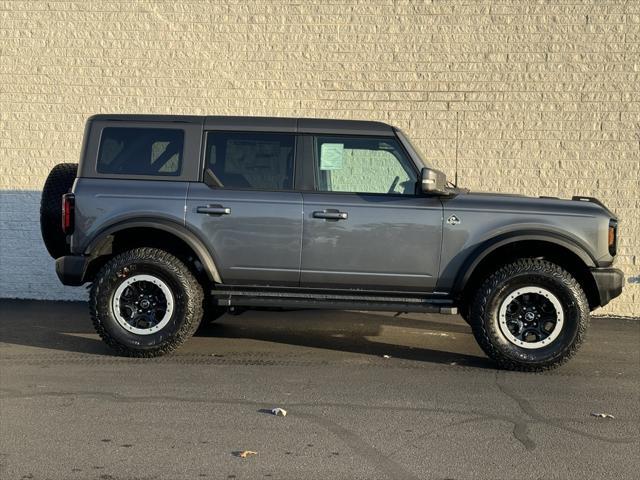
(102, 204)
(258, 242)
(386, 242)
(494, 219)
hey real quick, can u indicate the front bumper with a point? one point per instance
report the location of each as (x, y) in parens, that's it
(71, 269)
(609, 282)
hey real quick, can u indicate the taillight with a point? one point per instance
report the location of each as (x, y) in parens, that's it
(613, 237)
(68, 212)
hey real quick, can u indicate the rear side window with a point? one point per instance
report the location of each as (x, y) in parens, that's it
(141, 151)
(260, 161)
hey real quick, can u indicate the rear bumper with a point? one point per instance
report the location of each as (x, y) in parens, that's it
(609, 282)
(71, 269)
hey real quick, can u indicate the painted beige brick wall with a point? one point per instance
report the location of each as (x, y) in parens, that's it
(537, 98)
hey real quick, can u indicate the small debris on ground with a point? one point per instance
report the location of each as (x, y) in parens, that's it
(279, 412)
(246, 453)
(602, 415)
(386, 356)
(453, 363)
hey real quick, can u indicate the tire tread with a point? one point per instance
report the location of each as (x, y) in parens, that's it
(194, 305)
(59, 182)
(479, 311)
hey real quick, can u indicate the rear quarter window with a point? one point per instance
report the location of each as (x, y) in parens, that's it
(141, 151)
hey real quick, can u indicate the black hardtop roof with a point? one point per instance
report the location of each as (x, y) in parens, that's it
(258, 124)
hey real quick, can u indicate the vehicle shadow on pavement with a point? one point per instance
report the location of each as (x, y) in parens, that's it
(426, 338)
(48, 324)
(66, 326)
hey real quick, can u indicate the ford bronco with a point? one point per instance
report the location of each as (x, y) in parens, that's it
(176, 219)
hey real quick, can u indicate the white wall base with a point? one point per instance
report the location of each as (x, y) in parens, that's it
(26, 269)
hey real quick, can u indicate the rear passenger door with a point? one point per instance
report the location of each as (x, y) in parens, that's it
(365, 226)
(247, 211)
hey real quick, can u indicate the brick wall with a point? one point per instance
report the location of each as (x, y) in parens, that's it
(539, 98)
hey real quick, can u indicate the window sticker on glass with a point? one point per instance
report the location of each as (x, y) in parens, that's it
(331, 156)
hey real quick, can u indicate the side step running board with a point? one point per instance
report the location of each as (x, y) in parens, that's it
(304, 300)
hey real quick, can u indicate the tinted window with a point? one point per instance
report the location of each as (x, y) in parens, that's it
(141, 151)
(261, 161)
(363, 165)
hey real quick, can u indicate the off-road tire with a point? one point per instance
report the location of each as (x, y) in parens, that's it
(188, 299)
(529, 272)
(59, 182)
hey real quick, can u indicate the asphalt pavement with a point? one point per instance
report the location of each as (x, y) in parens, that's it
(435, 409)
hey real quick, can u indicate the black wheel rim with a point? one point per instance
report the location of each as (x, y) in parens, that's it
(531, 317)
(143, 304)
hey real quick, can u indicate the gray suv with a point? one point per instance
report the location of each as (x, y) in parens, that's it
(176, 219)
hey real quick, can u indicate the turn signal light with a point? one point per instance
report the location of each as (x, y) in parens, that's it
(68, 213)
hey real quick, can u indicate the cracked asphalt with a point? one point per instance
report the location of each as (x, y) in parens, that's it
(437, 409)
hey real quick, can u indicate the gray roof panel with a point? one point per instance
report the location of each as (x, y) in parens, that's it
(264, 124)
(252, 124)
(344, 127)
(120, 117)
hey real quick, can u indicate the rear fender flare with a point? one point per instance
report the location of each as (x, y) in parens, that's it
(187, 236)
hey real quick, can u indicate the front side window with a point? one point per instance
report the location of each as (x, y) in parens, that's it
(258, 161)
(363, 165)
(141, 151)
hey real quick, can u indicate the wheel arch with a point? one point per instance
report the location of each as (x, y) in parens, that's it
(165, 233)
(505, 249)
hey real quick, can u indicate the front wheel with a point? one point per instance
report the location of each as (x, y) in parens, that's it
(145, 303)
(530, 315)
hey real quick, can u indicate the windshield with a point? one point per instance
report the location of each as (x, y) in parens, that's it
(413, 150)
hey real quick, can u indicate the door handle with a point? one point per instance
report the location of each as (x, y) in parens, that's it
(330, 215)
(214, 210)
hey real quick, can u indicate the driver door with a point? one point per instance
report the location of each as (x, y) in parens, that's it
(364, 225)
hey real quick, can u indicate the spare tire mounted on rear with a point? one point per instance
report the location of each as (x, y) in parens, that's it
(59, 182)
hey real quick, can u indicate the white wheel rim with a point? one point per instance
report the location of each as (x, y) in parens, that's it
(118, 304)
(530, 318)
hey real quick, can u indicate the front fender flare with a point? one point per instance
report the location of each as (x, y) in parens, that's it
(489, 246)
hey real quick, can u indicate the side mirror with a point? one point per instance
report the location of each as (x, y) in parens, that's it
(433, 182)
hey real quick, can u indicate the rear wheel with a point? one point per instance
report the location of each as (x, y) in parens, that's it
(145, 303)
(530, 315)
(59, 182)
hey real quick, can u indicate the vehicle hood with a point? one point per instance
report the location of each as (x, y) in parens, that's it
(577, 205)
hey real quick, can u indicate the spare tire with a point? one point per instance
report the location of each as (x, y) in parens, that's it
(59, 182)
